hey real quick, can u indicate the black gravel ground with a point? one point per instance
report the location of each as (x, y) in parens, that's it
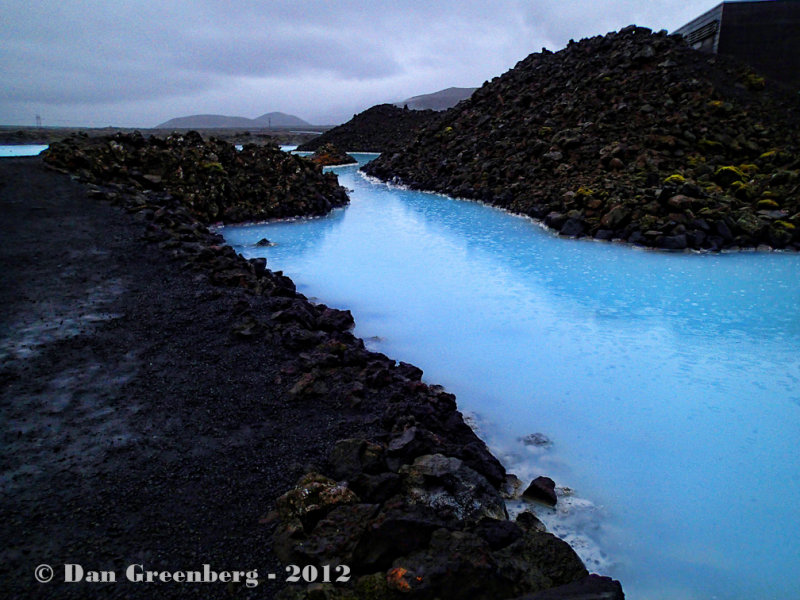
(135, 429)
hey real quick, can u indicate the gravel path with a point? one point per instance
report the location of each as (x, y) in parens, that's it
(135, 428)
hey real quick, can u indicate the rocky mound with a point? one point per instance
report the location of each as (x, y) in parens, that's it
(210, 178)
(630, 136)
(375, 130)
(329, 155)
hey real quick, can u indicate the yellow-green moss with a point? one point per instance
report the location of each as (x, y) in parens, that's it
(769, 154)
(753, 81)
(711, 188)
(728, 174)
(213, 167)
(748, 169)
(709, 145)
(543, 131)
(785, 225)
(767, 204)
(584, 192)
(676, 179)
(742, 190)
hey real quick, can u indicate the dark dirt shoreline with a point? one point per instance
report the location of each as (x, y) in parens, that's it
(153, 414)
(151, 417)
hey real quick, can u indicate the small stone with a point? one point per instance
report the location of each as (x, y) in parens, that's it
(259, 266)
(572, 228)
(541, 489)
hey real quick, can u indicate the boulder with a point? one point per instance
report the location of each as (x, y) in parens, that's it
(541, 489)
(329, 155)
(452, 489)
(591, 587)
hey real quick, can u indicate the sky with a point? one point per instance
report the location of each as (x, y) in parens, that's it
(137, 63)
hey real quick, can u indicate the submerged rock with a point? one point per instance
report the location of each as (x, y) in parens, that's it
(536, 439)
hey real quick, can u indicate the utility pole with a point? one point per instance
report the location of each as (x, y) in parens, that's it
(39, 121)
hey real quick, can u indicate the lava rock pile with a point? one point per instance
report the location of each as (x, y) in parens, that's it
(377, 129)
(212, 179)
(630, 136)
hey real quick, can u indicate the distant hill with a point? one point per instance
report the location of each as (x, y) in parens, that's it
(441, 100)
(273, 119)
(375, 130)
(279, 119)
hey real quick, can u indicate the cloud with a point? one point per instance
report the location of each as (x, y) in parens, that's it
(138, 63)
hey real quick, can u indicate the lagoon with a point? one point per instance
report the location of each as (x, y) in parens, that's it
(669, 384)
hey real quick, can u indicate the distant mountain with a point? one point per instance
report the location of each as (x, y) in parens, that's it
(279, 119)
(273, 119)
(441, 100)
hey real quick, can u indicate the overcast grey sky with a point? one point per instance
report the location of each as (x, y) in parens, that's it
(138, 63)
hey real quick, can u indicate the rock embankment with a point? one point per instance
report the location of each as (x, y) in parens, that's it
(630, 136)
(412, 508)
(377, 129)
(329, 155)
(210, 177)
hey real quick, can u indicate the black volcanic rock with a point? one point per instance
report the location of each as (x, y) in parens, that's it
(631, 136)
(377, 129)
(329, 155)
(211, 178)
(542, 489)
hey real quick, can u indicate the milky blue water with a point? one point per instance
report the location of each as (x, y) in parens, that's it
(22, 149)
(669, 384)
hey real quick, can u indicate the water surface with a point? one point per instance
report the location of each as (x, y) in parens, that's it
(22, 149)
(669, 384)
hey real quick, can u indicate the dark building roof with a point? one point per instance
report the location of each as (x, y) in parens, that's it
(765, 34)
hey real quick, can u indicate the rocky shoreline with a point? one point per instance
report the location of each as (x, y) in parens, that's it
(631, 136)
(413, 504)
